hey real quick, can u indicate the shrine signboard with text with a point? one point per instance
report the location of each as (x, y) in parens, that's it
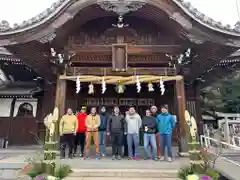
(120, 102)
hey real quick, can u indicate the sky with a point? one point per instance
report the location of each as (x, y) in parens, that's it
(16, 11)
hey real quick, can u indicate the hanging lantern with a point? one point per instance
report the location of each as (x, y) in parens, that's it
(78, 85)
(104, 87)
(120, 88)
(53, 52)
(150, 87)
(91, 89)
(162, 86)
(138, 84)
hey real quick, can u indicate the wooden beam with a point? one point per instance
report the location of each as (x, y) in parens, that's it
(96, 71)
(131, 49)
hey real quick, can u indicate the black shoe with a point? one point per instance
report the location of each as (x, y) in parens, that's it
(62, 157)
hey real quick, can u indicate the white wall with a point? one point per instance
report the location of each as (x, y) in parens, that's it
(20, 101)
(5, 107)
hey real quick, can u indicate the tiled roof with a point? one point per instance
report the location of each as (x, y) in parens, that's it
(60, 4)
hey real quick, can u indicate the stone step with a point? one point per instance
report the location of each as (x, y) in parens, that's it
(125, 173)
(115, 178)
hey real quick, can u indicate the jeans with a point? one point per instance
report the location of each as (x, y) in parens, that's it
(116, 143)
(166, 141)
(150, 139)
(102, 139)
(133, 139)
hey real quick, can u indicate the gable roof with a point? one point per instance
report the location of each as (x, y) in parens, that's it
(61, 5)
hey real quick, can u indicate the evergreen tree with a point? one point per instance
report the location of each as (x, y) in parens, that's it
(223, 95)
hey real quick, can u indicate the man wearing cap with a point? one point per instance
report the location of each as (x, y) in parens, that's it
(81, 131)
(166, 123)
(154, 111)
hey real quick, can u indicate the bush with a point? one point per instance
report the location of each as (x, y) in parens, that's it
(63, 171)
(36, 170)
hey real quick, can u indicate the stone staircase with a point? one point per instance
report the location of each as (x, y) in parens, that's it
(117, 174)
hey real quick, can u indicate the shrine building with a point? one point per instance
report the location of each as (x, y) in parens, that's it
(126, 53)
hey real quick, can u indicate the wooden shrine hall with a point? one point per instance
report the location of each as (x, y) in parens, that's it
(96, 53)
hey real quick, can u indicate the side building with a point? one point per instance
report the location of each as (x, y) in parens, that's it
(20, 97)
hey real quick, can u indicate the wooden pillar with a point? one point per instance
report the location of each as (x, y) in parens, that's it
(181, 124)
(60, 98)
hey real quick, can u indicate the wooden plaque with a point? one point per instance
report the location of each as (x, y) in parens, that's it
(119, 57)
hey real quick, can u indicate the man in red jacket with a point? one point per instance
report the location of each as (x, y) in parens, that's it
(80, 136)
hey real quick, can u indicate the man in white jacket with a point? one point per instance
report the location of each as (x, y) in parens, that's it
(134, 122)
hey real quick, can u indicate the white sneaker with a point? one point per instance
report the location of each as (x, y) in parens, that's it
(169, 159)
(161, 158)
(103, 155)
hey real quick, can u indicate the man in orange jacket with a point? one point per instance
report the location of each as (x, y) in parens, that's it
(93, 122)
(81, 131)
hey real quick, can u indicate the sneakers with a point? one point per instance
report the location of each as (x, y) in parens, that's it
(147, 158)
(137, 158)
(155, 158)
(118, 157)
(130, 158)
(169, 159)
(113, 157)
(98, 156)
(161, 158)
(86, 158)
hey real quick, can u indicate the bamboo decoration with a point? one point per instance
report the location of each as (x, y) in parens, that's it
(193, 143)
(50, 145)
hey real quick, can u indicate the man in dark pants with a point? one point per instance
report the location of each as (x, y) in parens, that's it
(67, 128)
(116, 126)
(81, 131)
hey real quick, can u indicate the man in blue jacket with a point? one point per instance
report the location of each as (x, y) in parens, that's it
(166, 124)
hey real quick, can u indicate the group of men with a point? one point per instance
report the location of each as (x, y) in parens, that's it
(123, 130)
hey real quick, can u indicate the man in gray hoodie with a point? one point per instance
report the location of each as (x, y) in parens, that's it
(134, 122)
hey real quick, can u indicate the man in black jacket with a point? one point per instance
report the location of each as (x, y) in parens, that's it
(102, 131)
(149, 125)
(116, 126)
